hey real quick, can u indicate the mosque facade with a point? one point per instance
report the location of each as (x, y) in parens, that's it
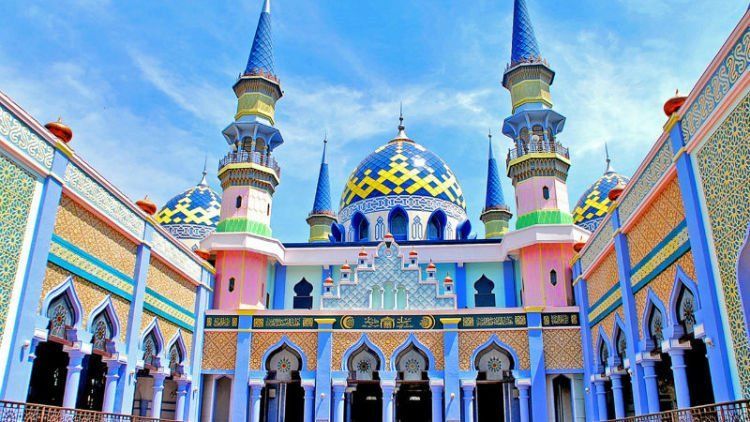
(633, 302)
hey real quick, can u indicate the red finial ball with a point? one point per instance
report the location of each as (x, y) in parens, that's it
(578, 246)
(146, 205)
(448, 279)
(204, 254)
(673, 104)
(346, 266)
(61, 131)
(616, 191)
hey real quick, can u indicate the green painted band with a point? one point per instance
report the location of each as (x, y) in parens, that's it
(544, 217)
(243, 225)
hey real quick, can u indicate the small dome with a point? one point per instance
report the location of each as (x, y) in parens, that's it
(60, 130)
(594, 203)
(192, 215)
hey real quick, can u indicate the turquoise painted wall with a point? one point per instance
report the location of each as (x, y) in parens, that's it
(493, 271)
(313, 274)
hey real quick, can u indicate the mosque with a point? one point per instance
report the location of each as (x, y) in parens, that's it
(633, 303)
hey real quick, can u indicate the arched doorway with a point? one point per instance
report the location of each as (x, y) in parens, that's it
(283, 396)
(620, 346)
(222, 397)
(50, 368)
(413, 396)
(697, 367)
(654, 334)
(609, 395)
(495, 384)
(144, 387)
(365, 397)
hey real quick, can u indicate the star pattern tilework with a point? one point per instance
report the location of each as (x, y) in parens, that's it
(402, 167)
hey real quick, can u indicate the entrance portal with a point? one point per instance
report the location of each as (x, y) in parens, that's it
(48, 374)
(413, 396)
(365, 400)
(495, 384)
(283, 395)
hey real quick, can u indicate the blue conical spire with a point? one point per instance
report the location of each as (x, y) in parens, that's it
(322, 204)
(261, 55)
(494, 197)
(525, 47)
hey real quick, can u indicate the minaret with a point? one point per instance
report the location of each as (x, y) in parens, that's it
(538, 166)
(249, 176)
(496, 213)
(322, 215)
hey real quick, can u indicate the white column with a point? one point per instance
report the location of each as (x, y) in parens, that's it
(110, 385)
(388, 387)
(179, 408)
(158, 391)
(207, 410)
(339, 387)
(73, 377)
(256, 385)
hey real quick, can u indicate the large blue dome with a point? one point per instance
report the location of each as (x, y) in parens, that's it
(594, 204)
(402, 167)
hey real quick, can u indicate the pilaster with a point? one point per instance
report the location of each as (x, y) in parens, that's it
(538, 372)
(437, 387)
(238, 399)
(279, 286)
(21, 357)
(194, 392)
(126, 386)
(323, 372)
(452, 369)
(509, 283)
(582, 299)
(708, 286)
(467, 397)
(461, 287)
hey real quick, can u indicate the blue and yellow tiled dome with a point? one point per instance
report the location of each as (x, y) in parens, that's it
(193, 214)
(402, 167)
(594, 203)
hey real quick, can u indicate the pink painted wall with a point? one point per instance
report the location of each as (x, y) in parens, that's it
(536, 263)
(228, 201)
(529, 195)
(249, 272)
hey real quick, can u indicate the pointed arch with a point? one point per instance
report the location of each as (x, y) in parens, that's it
(176, 353)
(654, 309)
(603, 352)
(363, 341)
(684, 304)
(619, 342)
(285, 342)
(463, 230)
(412, 341)
(337, 233)
(398, 223)
(494, 342)
(104, 325)
(484, 295)
(65, 291)
(152, 344)
(302, 295)
(436, 225)
(360, 228)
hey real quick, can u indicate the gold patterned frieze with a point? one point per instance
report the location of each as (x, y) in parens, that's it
(602, 278)
(168, 283)
(562, 348)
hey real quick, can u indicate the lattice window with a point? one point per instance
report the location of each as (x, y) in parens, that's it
(603, 355)
(175, 359)
(686, 310)
(61, 315)
(412, 364)
(284, 363)
(398, 224)
(494, 363)
(363, 364)
(150, 349)
(656, 327)
(103, 331)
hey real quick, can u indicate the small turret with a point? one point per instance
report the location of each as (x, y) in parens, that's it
(322, 215)
(496, 215)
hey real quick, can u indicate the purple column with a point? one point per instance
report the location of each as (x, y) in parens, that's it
(73, 378)
(179, 407)
(601, 399)
(679, 372)
(255, 389)
(110, 385)
(158, 391)
(523, 401)
(652, 389)
(617, 393)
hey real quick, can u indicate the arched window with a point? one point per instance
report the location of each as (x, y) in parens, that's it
(61, 316)
(361, 228)
(484, 297)
(686, 310)
(284, 364)
(621, 346)
(238, 202)
(656, 327)
(545, 192)
(603, 355)
(150, 349)
(376, 297)
(398, 224)
(175, 359)
(436, 226)
(230, 287)
(553, 278)
(102, 329)
(494, 364)
(302, 295)
(401, 297)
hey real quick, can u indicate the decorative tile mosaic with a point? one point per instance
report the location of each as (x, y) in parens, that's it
(81, 228)
(723, 166)
(388, 267)
(603, 278)
(434, 342)
(168, 283)
(175, 256)
(660, 217)
(562, 349)
(92, 191)
(596, 245)
(409, 203)
(16, 195)
(263, 340)
(468, 341)
(659, 165)
(219, 350)
(21, 136)
(716, 88)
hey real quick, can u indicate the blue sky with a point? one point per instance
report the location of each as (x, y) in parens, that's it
(146, 85)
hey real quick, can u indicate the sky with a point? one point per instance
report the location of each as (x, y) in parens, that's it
(146, 85)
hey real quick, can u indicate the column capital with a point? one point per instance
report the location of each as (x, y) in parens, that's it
(468, 384)
(308, 384)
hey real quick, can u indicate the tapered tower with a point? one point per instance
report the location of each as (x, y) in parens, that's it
(538, 165)
(249, 175)
(496, 214)
(322, 215)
